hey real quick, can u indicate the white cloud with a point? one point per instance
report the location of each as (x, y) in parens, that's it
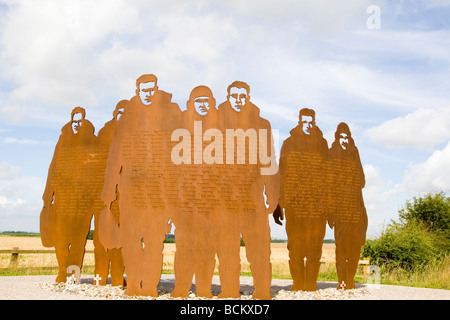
(422, 129)
(48, 46)
(88, 53)
(9, 171)
(320, 17)
(431, 175)
(20, 141)
(19, 214)
(13, 113)
(15, 185)
(7, 204)
(382, 199)
(374, 190)
(438, 3)
(20, 199)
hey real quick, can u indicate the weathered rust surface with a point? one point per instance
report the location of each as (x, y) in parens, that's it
(141, 177)
(107, 261)
(348, 214)
(222, 195)
(69, 196)
(243, 210)
(211, 172)
(319, 186)
(304, 177)
(194, 232)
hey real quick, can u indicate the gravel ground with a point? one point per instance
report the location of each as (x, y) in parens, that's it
(44, 288)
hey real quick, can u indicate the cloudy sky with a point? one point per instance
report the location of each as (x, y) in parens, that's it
(386, 75)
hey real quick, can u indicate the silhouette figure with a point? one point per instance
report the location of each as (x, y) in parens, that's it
(106, 259)
(348, 215)
(142, 178)
(194, 232)
(69, 194)
(243, 210)
(303, 199)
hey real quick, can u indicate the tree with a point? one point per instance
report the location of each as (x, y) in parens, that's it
(421, 234)
(433, 211)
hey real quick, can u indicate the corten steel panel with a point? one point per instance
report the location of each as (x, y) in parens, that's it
(243, 211)
(107, 261)
(318, 185)
(304, 175)
(141, 177)
(210, 196)
(348, 214)
(222, 196)
(199, 202)
(71, 193)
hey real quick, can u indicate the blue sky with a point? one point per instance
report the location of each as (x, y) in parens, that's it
(391, 85)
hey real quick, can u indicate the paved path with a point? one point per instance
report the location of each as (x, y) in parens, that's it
(26, 288)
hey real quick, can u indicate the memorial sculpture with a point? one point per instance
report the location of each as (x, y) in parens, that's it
(222, 185)
(304, 175)
(319, 186)
(141, 177)
(251, 171)
(194, 230)
(211, 171)
(106, 260)
(69, 195)
(348, 214)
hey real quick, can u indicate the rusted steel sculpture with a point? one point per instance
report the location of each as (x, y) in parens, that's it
(212, 173)
(249, 170)
(141, 177)
(226, 162)
(320, 185)
(69, 195)
(348, 214)
(106, 260)
(304, 171)
(194, 231)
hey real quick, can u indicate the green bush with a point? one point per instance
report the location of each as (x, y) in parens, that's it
(402, 246)
(90, 235)
(419, 237)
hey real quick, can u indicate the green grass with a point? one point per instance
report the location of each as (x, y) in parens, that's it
(435, 275)
(20, 234)
(39, 271)
(28, 271)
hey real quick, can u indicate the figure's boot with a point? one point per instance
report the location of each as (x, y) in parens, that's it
(229, 280)
(262, 279)
(312, 272)
(297, 269)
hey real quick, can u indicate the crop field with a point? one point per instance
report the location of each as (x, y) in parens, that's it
(279, 256)
(436, 275)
